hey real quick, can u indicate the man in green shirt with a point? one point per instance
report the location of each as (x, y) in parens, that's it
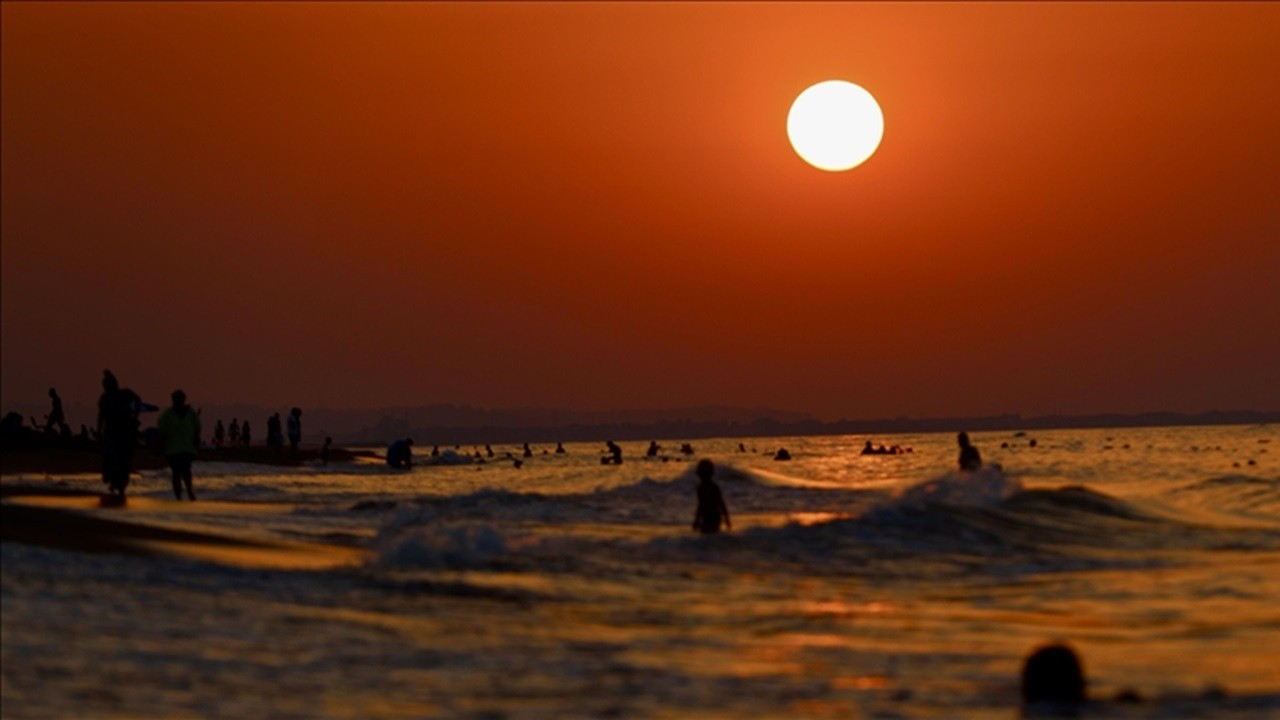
(179, 428)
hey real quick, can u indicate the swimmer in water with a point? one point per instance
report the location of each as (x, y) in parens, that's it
(969, 458)
(711, 507)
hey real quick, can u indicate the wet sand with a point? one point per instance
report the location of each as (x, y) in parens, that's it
(90, 523)
(65, 460)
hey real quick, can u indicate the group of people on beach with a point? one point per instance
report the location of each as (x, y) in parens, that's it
(239, 434)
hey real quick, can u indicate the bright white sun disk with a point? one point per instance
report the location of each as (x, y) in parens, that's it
(835, 125)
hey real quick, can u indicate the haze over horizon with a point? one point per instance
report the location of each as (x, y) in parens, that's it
(1074, 210)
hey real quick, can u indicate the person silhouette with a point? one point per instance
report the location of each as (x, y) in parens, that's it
(324, 450)
(274, 438)
(711, 509)
(295, 429)
(118, 427)
(868, 449)
(615, 453)
(56, 416)
(560, 448)
(1054, 676)
(245, 437)
(179, 428)
(400, 454)
(527, 452)
(219, 433)
(233, 433)
(654, 447)
(969, 458)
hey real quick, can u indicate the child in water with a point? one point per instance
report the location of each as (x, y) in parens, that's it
(711, 507)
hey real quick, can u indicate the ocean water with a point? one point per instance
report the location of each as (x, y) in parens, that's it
(850, 586)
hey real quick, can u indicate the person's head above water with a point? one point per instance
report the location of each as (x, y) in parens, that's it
(1053, 674)
(705, 470)
(179, 398)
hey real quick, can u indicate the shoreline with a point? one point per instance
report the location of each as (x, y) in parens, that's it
(52, 460)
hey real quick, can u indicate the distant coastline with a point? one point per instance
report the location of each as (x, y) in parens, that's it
(771, 427)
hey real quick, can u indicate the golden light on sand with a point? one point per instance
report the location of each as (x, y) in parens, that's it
(835, 125)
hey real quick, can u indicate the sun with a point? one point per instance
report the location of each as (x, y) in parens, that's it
(835, 125)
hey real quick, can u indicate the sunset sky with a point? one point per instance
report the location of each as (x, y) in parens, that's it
(1075, 207)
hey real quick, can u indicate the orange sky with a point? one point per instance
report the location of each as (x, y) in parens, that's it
(1075, 208)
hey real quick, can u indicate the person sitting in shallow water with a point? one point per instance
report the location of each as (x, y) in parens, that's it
(969, 458)
(400, 454)
(711, 508)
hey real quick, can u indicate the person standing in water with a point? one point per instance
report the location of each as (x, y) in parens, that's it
(179, 428)
(118, 427)
(969, 458)
(711, 507)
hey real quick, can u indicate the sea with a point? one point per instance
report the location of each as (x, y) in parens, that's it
(850, 585)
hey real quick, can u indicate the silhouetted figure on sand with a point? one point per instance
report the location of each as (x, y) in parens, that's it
(615, 454)
(560, 448)
(654, 447)
(527, 451)
(324, 450)
(711, 509)
(56, 416)
(245, 437)
(1053, 679)
(295, 429)
(435, 451)
(275, 439)
(118, 427)
(179, 428)
(219, 434)
(400, 454)
(233, 433)
(969, 457)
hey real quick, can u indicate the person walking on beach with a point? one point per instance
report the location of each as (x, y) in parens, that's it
(179, 428)
(233, 433)
(56, 416)
(118, 427)
(245, 438)
(970, 460)
(295, 430)
(219, 433)
(711, 508)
